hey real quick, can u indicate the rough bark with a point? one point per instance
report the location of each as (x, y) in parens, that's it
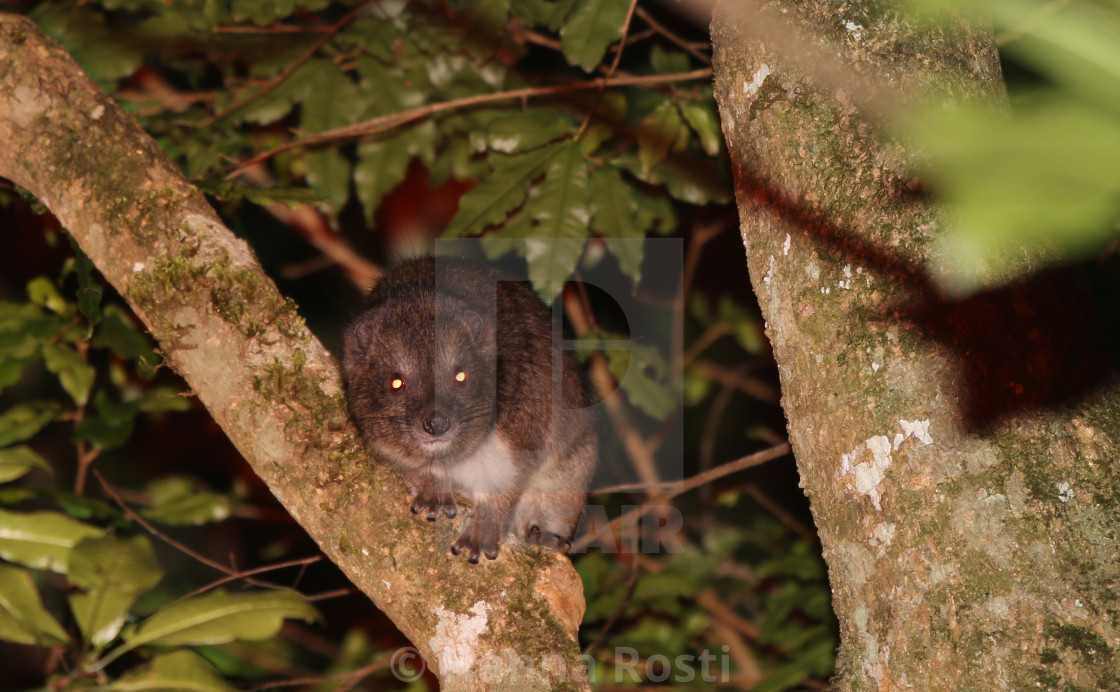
(244, 350)
(979, 552)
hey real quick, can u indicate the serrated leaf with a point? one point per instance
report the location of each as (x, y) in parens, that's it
(103, 54)
(218, 618)
(74, 374)
(522, 132)
(112, 573)
(180, 671)
(23, 619)
(41, 540)
(613, 213)
(702, 119)
(590, 29)
(499, 193)
(659, 131)
(551, 262)
(23, 421)
(15, 462)
(381, 166)
(561, 209)
(687, 178)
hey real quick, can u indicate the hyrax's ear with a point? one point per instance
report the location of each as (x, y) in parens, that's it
(479, 328)
(356, 343)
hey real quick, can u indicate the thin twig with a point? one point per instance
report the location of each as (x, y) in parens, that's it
(131, 513)
(672, 489)
(622, 603)
(358, 674)
(680, 42)
(393, 120)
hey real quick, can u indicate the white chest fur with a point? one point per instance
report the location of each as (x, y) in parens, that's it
(491, 468)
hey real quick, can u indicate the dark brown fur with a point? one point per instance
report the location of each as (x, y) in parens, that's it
(518, 440)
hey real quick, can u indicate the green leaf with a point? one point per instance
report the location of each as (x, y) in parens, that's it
(561, 209)
(501, 192)
(15, 462)
(89, 291)
(521, 132)
(547, 13)
(181, 671)
(42, 291)
(642, 373)
(118, 332)
(112, 573)
(111, 425)
(590, 29)
(23, 619)
(613, 213)
(23, 421)
(75, 375)
(1034, 188)
(104, 54)
(381, 166)
(667, 61)
(176, 500)
(659, 131)
(702, 119)
(41, 540)
(217, 618)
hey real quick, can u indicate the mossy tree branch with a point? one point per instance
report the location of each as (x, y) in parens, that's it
(243, 349)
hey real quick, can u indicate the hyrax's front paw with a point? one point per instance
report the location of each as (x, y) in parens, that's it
(429, 504)
(476, 539)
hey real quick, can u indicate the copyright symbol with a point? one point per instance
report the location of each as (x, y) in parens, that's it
(407, 665)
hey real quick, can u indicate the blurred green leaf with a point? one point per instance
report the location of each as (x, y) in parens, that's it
(75, 375)
(112, 423)
(23, 619)
(15, 462)
(89, 291)
(667, 61)
(41, 540)
(659, 133)
(176, 500)
(118, 332)
(590, 29)
(701, 117)
(111, 573)
(1036, 187)
(42, 291)
(23, 421)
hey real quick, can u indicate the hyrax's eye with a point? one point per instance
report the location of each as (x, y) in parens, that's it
(396, 383)
(461, 376)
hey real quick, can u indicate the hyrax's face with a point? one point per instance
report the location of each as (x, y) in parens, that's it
(421, 381)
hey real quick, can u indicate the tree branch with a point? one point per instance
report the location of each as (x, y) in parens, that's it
(270, 384)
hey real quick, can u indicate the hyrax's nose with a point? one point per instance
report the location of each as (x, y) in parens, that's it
(436, 423)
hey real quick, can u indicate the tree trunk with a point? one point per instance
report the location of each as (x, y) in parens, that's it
(244, 350)
(960, 455)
